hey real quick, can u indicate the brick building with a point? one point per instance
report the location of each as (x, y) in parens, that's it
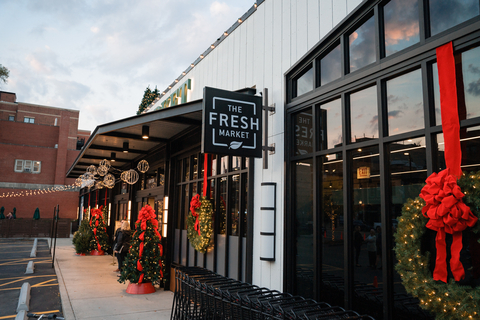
(38, 144)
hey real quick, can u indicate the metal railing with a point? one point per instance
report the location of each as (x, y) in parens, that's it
(203, 294)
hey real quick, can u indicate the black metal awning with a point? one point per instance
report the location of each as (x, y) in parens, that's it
(110, 137)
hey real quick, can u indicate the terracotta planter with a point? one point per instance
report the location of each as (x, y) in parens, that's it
(140, 288)
(97, 253)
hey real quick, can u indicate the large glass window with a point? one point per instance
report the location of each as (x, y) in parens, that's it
(364, 115)
(331, 66)
(401, 25)
(303, 132)
(362, 45)
(471, 82)
(330, 122)
(333, 222)
(470, 145)
(405, 103)
(304, 83)
(445, 14)
(304, 227)
(235, 204)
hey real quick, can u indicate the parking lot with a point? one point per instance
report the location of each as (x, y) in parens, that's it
(44, 294)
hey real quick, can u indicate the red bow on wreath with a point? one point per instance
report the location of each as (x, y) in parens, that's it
(448, 214)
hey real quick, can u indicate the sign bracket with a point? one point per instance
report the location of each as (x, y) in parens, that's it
(266, 148)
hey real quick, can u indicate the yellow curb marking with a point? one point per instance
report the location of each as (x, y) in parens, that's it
(43, 312)
(34, 286)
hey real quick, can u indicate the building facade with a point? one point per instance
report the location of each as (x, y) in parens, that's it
(356, 130)
(38, 143)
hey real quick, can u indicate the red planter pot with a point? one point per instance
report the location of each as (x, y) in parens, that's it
(97, 253)
(141, 288)
(80, 254)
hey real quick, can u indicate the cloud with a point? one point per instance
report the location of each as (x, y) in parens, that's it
(401, 27)
(395, 114)
(473, 69)
(474, 88)
(46, 61)
(362, 45)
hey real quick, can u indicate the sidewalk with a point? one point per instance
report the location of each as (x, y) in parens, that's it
(89, 289)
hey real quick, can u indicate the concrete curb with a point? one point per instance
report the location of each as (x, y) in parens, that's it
(24, 298)
(22, 315)
(33, 254)
(30, 267)
(67, 309)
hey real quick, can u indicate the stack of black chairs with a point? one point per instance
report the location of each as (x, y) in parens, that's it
(203, 294)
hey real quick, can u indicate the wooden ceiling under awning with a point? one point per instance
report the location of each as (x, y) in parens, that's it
(163, 125)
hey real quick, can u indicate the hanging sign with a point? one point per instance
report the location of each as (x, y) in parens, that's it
(232, 123)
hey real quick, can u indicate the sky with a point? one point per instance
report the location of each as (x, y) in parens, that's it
(99, 56)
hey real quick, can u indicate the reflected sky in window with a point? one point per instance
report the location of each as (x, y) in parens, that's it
(445, 14)
(331, 66)
(405, 103)
(436, 94)
(364, 114)
(305, 82)
(362, 45)
(401, 25)
(333, 123)
(471, 81)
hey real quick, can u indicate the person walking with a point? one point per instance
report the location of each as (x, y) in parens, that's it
(122, 244)
(372, 248)
(357, 243)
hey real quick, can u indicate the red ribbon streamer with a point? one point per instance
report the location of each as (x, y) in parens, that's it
(449, 108)
(195, 203)
(106, 197)
(147, 214)
(443, 197)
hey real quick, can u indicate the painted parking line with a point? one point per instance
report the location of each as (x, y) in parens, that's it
(23, 261)
(42, 312)
(22, 279)
(34, 286)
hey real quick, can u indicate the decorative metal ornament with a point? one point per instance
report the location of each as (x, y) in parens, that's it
(123, 176)
(143, 166)
(105, 163)
(102, 170)
(79, 181)
(131, 176)
(92, 169)
(109, 181)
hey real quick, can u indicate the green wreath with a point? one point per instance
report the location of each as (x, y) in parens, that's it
(447, 301)
(199, 223)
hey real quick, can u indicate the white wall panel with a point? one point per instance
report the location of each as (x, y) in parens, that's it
(339, 10)
(326, 17)
(259, 52)
(313, 9)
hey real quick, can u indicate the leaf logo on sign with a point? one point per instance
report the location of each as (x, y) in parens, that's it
(235, 144)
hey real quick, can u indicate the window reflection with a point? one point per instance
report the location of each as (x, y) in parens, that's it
(470, 145)
(445, 14)
(401, 25)
(303, 132)
(304, 83)
(222, 212)
(408, 167)
(362, 45)
(235, 204)
(304, 227)
(330, 115)
(364, 115)
(436, 95)
(471, 82)
(332, 229)
(331, 66)
(405, 103)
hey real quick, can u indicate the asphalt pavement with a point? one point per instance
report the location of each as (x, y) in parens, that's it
(79, 287)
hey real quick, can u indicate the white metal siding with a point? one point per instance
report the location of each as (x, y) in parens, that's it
(258, 53)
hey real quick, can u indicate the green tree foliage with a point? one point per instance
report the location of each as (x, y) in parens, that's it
(36, 214)
(2, 216)
(148, 97)
(99, 239)
(81, 238)
(4, 74)
(143, 262)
